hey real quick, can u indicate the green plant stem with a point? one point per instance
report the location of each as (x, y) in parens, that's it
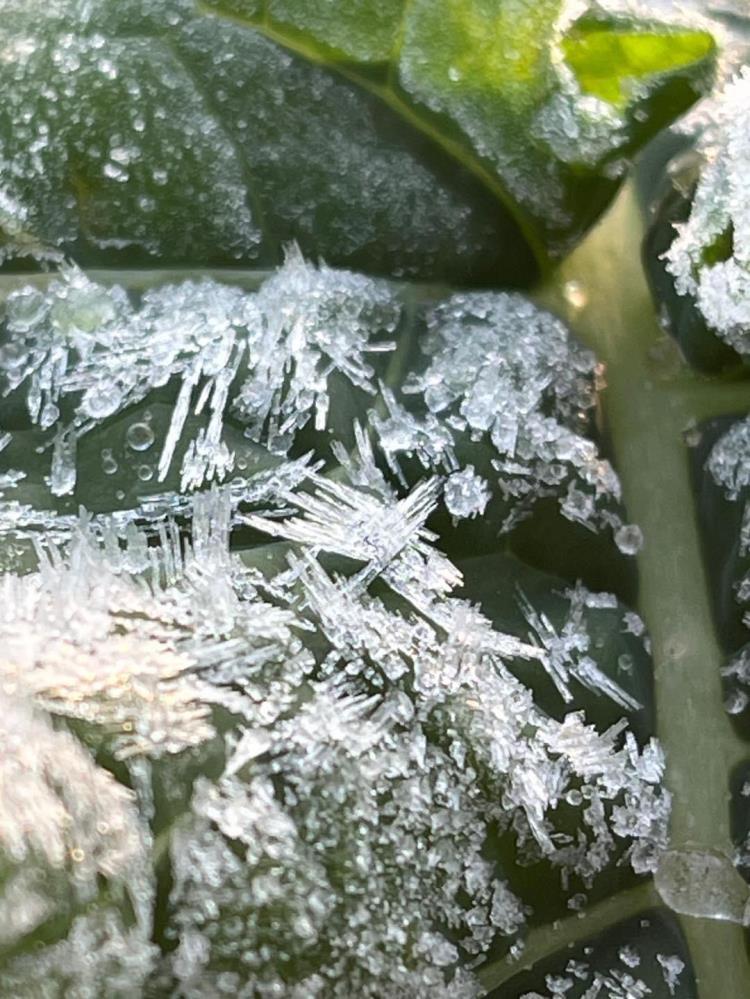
(647, 414)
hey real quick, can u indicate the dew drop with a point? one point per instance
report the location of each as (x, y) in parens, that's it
(109, 465)
(575, 294)
(145, 472)
(139, 436)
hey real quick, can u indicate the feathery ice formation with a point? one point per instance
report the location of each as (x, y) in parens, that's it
(272, 687)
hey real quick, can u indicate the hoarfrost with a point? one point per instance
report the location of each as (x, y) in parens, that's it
(729, 459)
(505, 380)
(366, 728)
(85, 352)
(672, 967)
(568, 650)
(710, 257)
(369, 744)
(466, 493)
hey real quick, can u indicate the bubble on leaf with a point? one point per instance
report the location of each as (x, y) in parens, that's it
(139, 436)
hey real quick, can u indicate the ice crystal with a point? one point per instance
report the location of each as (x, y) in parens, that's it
(503, 401)
(504, 380)
(88, 637)
(728, 461)
(84, 352)
(466, 493)
(568, 650)
(55, 805)
(372, 738)
(316, 321)
(672, 967)
(101, 955)
(710, 258)
(367, 735)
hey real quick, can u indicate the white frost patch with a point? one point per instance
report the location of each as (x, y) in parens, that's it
(720, 218)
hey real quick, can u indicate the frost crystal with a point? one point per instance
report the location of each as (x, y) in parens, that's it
(466, 493)
(85, 353)
(568, 650)
(710, 258)
(504, 381)
(729, 460)
(326, 740)
(672, 967)
(366, 698)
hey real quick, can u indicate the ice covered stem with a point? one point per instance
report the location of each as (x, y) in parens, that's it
(647, 414)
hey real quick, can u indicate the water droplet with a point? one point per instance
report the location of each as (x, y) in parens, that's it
(575, 294)
(454, 74)
(139, 436)
(574, 797)
(109, 465)
(145, 472)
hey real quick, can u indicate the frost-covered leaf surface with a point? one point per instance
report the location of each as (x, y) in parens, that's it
(358, 637)
(342, 675)
(451, 140)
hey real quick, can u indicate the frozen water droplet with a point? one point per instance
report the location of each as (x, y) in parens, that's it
(629, 539)
(101, 400)
(24, 309)
(48, 415)
(575, 294)
(63, 473)
(139, 436)
(735, 702)
(702, 883)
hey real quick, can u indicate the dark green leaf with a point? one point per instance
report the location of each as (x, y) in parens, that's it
(419, 141)
(611, 956)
